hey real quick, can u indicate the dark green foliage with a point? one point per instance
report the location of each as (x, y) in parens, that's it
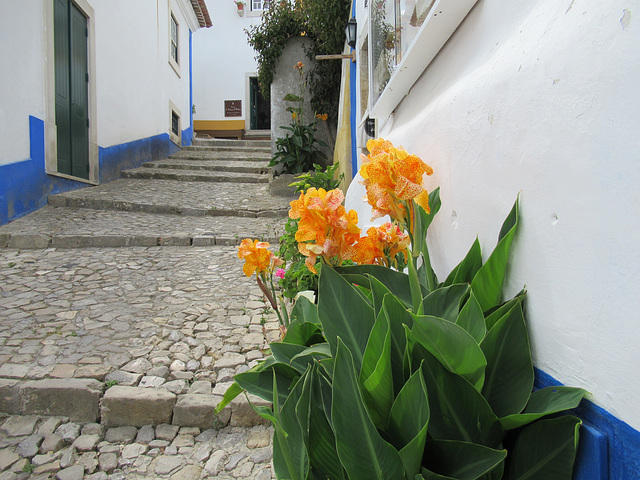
(299, 150)
(318, 178)
(323, 22)
(297, 276)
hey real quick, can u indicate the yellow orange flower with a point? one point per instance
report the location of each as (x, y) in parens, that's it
(392, 177)
(294, 115)
(381, 245)
(322, 116)
(298, 66)
(257, 257)
(325, 228)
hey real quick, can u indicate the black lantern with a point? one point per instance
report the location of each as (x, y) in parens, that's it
(350, 32)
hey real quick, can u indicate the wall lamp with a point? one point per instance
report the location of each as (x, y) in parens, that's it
(350, 32)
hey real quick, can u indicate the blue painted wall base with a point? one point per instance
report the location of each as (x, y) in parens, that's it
(130, 155)
(24, 185)
(609, 448)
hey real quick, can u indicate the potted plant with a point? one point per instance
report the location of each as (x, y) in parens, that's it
(240, 4)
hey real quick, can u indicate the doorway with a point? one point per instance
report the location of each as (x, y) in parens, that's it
(71, 89)
(260, 108)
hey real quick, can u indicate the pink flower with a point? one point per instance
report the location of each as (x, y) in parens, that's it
(280, 273)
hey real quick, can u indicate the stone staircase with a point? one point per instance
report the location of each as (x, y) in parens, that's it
(124, 306)
(211, 193)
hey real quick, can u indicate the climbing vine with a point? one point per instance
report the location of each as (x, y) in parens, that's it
(323, 22)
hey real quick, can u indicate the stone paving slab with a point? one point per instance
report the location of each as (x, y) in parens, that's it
(85, 227)
(228, 156)
(241, 166)
(39, 448)
(196, 175)
(216, 148)
(237, 144)
(177, 197)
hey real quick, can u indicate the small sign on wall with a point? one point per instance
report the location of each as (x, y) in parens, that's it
(233, 108)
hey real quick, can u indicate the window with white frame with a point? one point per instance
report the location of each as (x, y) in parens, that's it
(174, 44)
(175, 124)
(405, 35)
(257, 5)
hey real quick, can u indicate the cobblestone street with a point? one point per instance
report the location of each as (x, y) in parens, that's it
(113, 359)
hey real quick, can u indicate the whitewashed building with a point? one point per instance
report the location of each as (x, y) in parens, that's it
(227, 98)
(90, 87)
(539, 98)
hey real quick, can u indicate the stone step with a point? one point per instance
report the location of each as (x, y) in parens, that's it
(195, 175)
(235, 144)
(209, 155)
(84, 227)
(231, 157)
(211, 165)
(226, 149)
(178, 198)
(89, 400)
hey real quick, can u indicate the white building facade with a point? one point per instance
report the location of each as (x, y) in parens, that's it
(541, 99)
(226, 93)
(91, 87)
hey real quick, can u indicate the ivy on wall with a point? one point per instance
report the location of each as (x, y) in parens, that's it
(323, 22)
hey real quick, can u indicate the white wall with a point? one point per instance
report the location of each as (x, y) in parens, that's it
(21, 75)
(543, 98)
(221, 59)
(135, 79)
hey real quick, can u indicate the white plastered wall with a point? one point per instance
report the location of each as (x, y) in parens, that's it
(542, 99)
(21, 77)
(136, 81)
(222, 58)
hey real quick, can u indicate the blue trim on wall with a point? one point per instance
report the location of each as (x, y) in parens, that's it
(352, 88)
(24, 185)
(129, 155)
(188, 136)
(609, 448)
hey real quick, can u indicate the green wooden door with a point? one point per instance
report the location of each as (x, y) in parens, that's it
(260, 112)
(71, 78)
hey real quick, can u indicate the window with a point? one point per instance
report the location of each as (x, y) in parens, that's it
(174, 44)
(175, 124)
(256, 5)
(405, 36)
(174, 39)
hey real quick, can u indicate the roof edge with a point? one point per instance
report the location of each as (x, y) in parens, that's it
(202, 14)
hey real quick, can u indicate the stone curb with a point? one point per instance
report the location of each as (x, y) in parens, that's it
(119, 205)
(168, 164)
(88, 400)
(201, 176)
(32, 241)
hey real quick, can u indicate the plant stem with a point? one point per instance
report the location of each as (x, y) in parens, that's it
(269, 297)
(414, 285)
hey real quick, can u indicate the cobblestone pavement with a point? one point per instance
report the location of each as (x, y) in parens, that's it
(171, 318)
(113, 359)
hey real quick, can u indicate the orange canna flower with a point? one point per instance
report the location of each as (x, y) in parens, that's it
(298, 66)
(257, 257)
(323, 116)
(392, 177)
(325, 228)
(381, 245)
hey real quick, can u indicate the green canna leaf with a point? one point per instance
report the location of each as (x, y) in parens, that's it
(509, 373)
(362, 451)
